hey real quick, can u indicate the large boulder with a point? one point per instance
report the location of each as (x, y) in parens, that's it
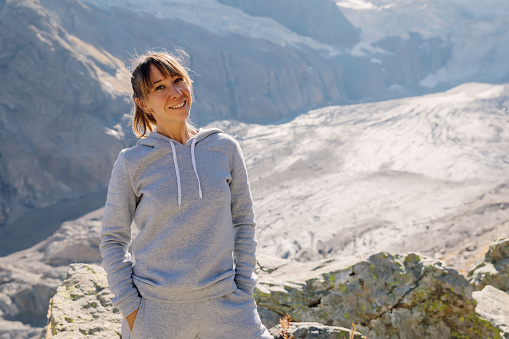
(82, 305)
(493, 304)
(389, 296)
(494, 270)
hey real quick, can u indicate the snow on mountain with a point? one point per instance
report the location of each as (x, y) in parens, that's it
(348, 180)
(220, 19)
(478, 30)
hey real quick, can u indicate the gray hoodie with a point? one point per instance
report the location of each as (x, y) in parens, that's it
(192, 207)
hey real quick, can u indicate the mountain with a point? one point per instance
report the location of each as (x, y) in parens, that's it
(63, 116)
(323, 21)
(475, 32)
(59, 118)
(62, 113)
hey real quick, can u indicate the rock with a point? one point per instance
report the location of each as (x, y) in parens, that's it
(75, 241)
(311, 330)
(30, 278)
(494, 270)
(391, 296)
(82, 305)
(493, 305)
(24, 295)
(269, 318)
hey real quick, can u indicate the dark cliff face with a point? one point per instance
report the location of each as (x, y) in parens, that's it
(318, 19)
(54, 113)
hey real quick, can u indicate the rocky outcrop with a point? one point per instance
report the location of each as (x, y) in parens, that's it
(387, 296)
(82, 305)
(494, 270)
(493, 305)
(391, 296)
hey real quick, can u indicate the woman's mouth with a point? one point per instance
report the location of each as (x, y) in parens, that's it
(178, 105)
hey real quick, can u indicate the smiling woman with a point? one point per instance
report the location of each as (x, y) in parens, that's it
(162, 95)
(187, 193)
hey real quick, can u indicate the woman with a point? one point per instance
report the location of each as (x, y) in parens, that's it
(187, 192)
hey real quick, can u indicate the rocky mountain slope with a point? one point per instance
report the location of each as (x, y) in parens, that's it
(59, 119)
(474, 31)
(253, 62)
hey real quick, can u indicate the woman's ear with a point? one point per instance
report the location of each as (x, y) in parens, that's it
(141, 103)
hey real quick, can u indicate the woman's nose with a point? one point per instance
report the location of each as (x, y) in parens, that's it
(174, 91)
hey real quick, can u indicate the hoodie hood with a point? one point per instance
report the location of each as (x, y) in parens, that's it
(157, 140)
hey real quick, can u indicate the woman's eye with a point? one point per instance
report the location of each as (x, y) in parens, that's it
(179, 79)
(158, 88)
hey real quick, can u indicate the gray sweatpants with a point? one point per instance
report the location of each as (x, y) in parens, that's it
(231, 316)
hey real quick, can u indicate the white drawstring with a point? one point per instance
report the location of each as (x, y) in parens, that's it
(176, 172)
(195, 171)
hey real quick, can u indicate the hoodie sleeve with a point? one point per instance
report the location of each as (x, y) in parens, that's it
(243, 224)
(116, 238)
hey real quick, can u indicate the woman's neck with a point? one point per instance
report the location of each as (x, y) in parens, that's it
(181, 133)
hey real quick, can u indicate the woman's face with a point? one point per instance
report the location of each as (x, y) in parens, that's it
(169, 100)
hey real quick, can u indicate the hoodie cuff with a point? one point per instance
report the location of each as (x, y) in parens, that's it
(130, 304)
(246, 285)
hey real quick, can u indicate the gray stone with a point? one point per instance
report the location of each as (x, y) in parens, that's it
(493, 305)
(494, 270)
(391, 296)
(82, 305)
(311, 330)
(269, 318)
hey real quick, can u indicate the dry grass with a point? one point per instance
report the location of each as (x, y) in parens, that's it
(48, 321)
(285, 326)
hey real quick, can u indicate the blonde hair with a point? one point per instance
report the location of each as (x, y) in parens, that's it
(169, 65)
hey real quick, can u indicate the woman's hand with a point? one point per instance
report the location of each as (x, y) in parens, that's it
(130, 319)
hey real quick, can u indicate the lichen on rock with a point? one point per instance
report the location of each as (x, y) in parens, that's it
(385, 296)
(493, 305)
(390, 296)
(494, 270)
(82, 305)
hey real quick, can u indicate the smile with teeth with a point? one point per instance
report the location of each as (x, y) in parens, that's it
(179, 105)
